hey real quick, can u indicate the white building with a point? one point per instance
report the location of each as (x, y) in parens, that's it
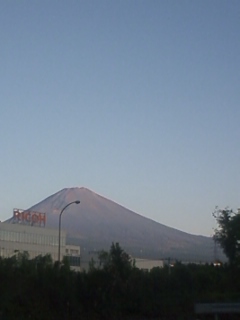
(27, 233)
(72, 253)
(147, 265)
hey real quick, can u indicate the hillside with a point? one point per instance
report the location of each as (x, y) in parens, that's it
(97, 222)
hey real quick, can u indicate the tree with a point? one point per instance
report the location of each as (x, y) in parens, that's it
(116, 261)
(227, 233)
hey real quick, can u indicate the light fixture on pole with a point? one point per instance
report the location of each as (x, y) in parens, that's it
(59, 228)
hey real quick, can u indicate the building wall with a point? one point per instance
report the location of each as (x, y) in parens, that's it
(73, 255)
(35, 240)
(145, 264)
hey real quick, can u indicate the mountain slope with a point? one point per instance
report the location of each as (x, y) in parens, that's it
(97, 222)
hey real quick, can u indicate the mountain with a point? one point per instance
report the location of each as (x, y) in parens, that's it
(97, 222)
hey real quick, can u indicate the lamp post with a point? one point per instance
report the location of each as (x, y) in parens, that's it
(59, 228)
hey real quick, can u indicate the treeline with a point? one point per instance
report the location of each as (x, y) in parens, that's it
(112, 289)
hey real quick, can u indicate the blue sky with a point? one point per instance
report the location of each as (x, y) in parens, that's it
(135, 100)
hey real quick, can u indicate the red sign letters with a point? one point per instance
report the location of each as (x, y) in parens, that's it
(29, 217)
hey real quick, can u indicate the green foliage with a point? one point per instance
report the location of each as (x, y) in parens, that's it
(117, 262)
(227, 233)
(40, 289)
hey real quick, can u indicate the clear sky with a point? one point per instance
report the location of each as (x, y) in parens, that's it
(135, 100)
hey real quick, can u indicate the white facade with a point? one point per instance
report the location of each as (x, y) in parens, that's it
(147, 265)
(36, 241)
(73, 256)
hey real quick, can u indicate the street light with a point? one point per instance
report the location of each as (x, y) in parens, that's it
(59, 229)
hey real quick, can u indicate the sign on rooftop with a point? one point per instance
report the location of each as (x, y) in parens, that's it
(28, 217)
